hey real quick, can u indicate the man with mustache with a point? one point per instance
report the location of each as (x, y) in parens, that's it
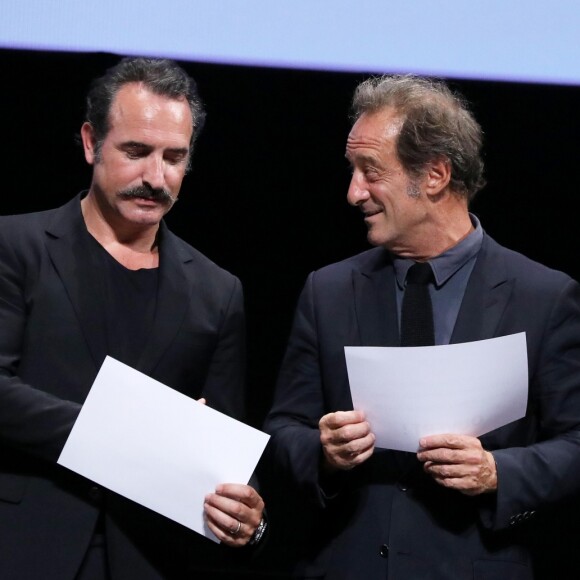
(460, 508)
(103, 275)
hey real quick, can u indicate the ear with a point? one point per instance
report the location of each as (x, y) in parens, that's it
(88, 139)
(437, 176)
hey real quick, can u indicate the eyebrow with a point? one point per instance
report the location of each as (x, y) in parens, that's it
(178, 150)
(139, 145)
(128, 144)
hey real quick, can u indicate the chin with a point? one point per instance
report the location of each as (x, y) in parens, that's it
(145, 218)
(375, 239)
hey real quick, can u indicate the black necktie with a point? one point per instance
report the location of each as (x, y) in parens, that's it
(417, 311)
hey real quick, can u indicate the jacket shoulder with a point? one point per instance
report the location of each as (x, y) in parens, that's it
(22, 235)
(203, 265)
(523, 269)
(27, 223)
(367, 261)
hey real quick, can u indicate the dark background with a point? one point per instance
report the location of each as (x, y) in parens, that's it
(267, 195)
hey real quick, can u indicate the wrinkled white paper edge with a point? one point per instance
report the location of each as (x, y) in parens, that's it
(410, 392)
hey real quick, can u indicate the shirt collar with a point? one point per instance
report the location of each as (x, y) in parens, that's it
(450, 261)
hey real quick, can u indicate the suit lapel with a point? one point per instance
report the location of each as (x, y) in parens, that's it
(486, 296)
(80, 271)
(77, 267)
(375, 302)
(173, 297)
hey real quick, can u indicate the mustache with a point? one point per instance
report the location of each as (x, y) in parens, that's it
(147, 192)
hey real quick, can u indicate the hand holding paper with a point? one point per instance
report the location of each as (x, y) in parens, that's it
(233, 513)
(459, 462)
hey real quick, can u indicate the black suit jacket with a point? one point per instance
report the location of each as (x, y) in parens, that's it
(52, 342)
(386, 518)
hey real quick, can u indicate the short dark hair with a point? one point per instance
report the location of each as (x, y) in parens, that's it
(436, 123)
(161, 76)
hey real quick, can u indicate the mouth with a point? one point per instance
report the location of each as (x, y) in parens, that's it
(369, 213)
(145, 200)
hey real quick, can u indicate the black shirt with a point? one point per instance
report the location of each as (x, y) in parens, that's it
(130, 300)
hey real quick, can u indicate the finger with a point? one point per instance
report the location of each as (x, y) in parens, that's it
(202, 401)
(348, 456)
(235, 508)
(346, 434)
(448, 441)
(341, 418)
(467, 478)
(224, 510)
(222, 520)
(245, 494)
(468, 456)
(448, 470)
(358, 458)
(442, 456)
(230, 532)
(231, 519)
(356, 446)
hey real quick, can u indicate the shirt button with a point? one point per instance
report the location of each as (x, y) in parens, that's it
(384, 551)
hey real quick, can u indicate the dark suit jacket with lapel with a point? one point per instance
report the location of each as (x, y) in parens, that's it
(52, 343)
(386, 518)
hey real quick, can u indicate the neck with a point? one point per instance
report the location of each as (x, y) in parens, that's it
(134, 247)
(139, 238)
(441, 230)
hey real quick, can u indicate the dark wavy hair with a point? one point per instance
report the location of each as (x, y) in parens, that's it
(437, 123)
(162, 77)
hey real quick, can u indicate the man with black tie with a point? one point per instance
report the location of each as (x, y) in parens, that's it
(459, 508)
(103, 275)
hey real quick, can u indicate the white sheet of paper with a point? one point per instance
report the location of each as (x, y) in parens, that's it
(409, 392)
(158, 447)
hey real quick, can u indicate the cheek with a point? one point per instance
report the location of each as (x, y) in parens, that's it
(119, 172)
(174, 177)
(381, 195)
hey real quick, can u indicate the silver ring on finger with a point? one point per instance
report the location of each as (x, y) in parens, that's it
(236, 531)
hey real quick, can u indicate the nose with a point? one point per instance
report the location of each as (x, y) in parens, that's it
(357, 190)
(154, 172)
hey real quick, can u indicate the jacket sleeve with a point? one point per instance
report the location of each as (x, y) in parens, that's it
(547, 471)
(299, 402)
(30, 419)
(224, 385)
